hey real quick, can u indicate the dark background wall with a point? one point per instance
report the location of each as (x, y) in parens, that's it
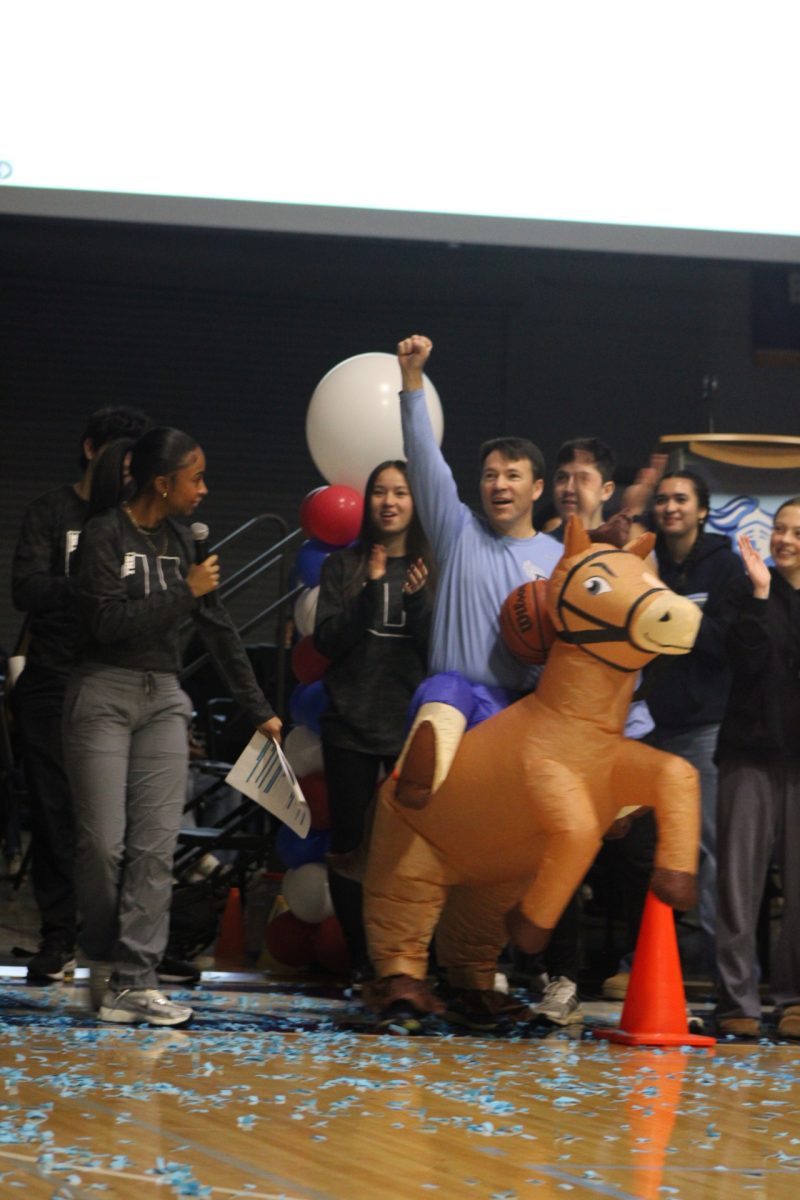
(227, 334)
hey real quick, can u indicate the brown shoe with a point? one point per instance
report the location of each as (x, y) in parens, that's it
(789, 1024)
(415, 779)
(400, 1002)
(484, 1009)
(744, 1027)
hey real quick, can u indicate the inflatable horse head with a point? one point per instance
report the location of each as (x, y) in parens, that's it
(606, 600)
(609, 602)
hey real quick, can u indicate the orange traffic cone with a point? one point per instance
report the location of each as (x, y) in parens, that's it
(231, 947)
(654, 1013)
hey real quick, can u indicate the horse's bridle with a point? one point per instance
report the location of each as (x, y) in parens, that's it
(604, 631)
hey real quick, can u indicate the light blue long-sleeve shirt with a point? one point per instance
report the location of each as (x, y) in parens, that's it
(477, 568)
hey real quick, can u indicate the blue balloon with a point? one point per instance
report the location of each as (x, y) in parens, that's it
(310, 557)
(307, 703)
(296, 851)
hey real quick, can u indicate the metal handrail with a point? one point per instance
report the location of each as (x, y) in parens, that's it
(273, 556)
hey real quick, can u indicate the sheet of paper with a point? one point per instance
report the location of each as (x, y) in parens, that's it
(263, 773)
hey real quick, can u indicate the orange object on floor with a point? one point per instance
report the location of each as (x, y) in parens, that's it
(654, 1013)
(231, 947)
(652, 1104)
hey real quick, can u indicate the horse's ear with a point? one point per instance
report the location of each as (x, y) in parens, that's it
(642, 545)
(576, 539)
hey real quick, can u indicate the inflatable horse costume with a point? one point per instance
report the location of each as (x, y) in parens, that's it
(507, 838)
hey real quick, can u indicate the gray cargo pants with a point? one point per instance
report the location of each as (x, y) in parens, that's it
(126, 753)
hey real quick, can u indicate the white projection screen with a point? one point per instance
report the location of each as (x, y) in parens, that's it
(648, 127)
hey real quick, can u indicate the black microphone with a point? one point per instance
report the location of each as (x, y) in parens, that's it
(199, 533)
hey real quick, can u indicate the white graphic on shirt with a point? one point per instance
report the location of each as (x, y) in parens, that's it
(129, 568)
(70, 546)
(532, 571)
(387, 625)
(165, 563)
(167, 558)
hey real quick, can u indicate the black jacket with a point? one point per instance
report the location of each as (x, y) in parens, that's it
(41, 581)
(688, 690)
(133, 597)
(376, 637)
(762, 720)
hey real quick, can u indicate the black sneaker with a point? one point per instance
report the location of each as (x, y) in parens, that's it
(173, 970)
(484, 1009)
(51, 963)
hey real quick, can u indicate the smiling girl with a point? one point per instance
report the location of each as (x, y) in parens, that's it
(373, 617)
(687, 698)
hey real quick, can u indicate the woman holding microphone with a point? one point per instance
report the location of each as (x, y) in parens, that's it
(126, 716)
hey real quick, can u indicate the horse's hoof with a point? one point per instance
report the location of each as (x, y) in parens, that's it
(678, 889)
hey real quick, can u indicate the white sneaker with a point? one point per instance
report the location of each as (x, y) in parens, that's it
(99, 975)
(131, 1006)
(559, 1003)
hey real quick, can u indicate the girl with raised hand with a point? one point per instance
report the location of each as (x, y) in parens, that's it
(758, 814)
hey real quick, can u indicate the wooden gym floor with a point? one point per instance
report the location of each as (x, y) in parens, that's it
(279, 1090)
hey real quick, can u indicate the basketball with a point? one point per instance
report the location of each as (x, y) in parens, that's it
(525, 623)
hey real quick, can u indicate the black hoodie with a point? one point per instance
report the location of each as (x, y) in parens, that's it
(762, 720)
(688, 690)
(42, 583)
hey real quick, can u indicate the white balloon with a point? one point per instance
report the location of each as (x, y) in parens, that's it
(305, 611)
(303, 749)
(353, 419)
(307, 892)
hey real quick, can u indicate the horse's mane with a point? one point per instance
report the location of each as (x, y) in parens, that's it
(616, 531)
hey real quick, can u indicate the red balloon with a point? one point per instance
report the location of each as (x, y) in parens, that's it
(308, 665)
(305, 503)
(315, 789)
(290, 941)
(330, 948)
(333, 514)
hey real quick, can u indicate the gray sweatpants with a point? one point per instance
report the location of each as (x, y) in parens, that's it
(126, 753)
(758, 820)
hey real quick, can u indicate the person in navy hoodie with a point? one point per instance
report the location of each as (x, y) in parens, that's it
(687, 695)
